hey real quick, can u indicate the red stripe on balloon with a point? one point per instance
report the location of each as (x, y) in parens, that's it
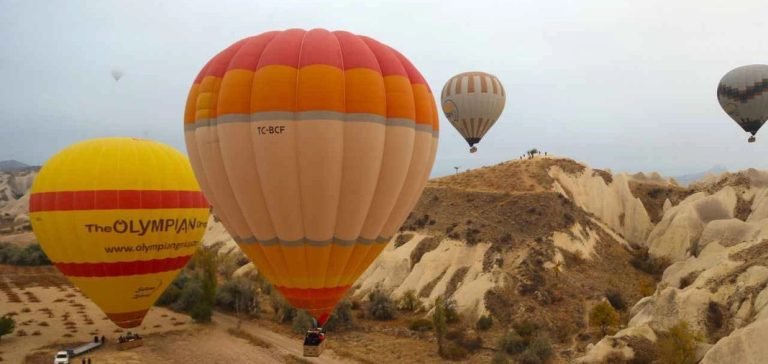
(118, 269)
(115, 200)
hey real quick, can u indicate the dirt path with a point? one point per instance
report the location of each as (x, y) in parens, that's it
(280, 343)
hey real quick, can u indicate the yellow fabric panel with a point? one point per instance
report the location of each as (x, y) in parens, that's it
(116, 164)
(125, 294)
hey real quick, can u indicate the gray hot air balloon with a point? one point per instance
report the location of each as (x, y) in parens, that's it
(117, 74)
(472, 102)
(743, 94)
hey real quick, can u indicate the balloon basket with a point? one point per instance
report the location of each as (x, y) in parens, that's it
(751, 139)
(314, 350)
(473, 149)
(314, 342)
(130, 344)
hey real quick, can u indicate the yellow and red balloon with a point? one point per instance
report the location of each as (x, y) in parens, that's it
(313, 147)
(119, 217)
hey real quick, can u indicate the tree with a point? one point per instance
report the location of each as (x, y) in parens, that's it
(678, 345)
(532, 152)
(381, 306)
(341, 318)
(409, 302)
(439, 322)
(7, 325)
(239, 295)
(204, 263)
(603, 315)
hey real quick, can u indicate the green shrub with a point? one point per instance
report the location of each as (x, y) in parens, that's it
(525, 328)
(409, 302)
(512, 343)
(381, 306)
(202, 311)
(301, 322)
(541, 347)
(616, 299)
(7, 325)
(484, 323)
(452, 351)
(284, 312)
(678, 345)
(341, 318)
(238, 295)
(169, 296)
(421, 325)
(603, 315)
(499, 358)
(190, 295)
(31, 255)
(529, 357)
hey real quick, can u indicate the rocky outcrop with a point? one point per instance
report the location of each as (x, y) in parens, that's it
(611, 201)
(682, 225)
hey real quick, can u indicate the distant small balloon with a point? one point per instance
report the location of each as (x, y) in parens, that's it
(116, 74)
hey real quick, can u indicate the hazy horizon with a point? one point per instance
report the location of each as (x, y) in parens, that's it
(628, 87)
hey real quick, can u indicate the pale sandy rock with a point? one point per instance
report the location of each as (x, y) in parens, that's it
(761, 300)
(683, 224)
(728, 232)
(612, 203)
(743, 346)
(245, 270)
(667, 206)
(580, 241)
(755, 275)
(599, 352)
(741, 318)
(759, 206)
(392, 271)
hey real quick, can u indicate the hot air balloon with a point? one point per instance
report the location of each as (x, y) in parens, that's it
(743, 94)
(472, 102)
(119, 217)
(117, 74)
(313, 147)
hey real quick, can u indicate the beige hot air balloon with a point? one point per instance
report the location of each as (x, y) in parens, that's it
(472, 102)
(313, 147)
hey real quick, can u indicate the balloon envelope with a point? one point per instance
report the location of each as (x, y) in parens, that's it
(313, 147)
(119, 217)
(472, 102)
(743, 94)
(116, 74)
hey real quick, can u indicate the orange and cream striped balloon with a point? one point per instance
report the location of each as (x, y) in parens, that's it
(119, 217)
(313, 147)
(472, 102)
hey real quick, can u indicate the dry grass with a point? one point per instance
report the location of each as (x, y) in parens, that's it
(249, 338)
(526, 176)
(293, 359)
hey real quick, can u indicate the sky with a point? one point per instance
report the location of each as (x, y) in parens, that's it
(621, 85)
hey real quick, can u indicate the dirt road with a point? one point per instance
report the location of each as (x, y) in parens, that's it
(280, 343)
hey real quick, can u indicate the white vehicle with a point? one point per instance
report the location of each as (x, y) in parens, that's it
(62, 357)
(65, 356)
